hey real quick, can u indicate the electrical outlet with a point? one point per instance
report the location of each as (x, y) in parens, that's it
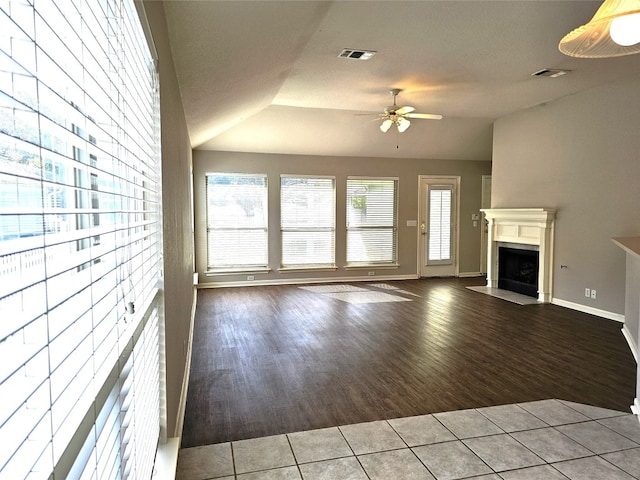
(587, 292)
(371, 274)
(593, 293)
(251, 277)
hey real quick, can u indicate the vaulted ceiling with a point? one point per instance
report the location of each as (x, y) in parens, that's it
(265, 76)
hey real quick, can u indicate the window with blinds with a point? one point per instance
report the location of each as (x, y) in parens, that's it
(237, 228)
(440, 224)
(307, 221)
(372, 221)
(80, 241)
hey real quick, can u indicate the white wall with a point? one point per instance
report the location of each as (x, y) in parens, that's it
(407, 170)
(581, 155)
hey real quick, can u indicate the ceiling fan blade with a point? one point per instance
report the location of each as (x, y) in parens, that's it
(426, 116)
(404, 110)
(386, 125)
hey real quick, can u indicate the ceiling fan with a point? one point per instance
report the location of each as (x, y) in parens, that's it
(399, 116)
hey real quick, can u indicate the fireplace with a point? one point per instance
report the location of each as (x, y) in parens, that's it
(527, 229)
(518, 270)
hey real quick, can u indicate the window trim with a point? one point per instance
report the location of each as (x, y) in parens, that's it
(391, 264)
(305, 267)
(236, 269)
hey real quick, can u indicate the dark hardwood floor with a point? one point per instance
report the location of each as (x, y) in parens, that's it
(281, 359)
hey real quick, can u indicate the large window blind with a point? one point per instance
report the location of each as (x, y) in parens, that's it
(237, 233)
(80, 241)
(372, 229)
(440, 224)
(307, 221)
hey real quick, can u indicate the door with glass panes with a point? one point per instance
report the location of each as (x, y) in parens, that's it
(438, 226)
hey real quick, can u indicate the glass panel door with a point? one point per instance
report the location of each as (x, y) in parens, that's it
(438, 226)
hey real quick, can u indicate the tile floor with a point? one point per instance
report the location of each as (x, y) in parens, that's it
(547, 440)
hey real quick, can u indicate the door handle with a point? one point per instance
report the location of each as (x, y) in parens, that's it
(423, 229)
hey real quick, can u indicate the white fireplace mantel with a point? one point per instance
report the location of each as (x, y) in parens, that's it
(528, 226)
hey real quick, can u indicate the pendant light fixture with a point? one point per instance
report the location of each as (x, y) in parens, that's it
(613, 31)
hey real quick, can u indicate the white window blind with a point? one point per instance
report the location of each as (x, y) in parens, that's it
(80, 241)
(372, 229)
(237, 228)
(440, 224)
(307, 221)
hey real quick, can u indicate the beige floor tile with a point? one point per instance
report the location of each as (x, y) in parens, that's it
(400, 464)
(262, 454)
(421, 430)
(204, 463)
(342, 468)
(316, 445)
(371, 437)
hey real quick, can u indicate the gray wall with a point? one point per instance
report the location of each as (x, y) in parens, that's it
(581, 155)
(177, 219)
(407, 170)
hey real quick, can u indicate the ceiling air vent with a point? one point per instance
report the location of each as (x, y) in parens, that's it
(549, 72)
(357, 54)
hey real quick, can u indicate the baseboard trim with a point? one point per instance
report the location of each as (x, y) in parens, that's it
(590, 310)
(470, 274)
(632, 343)
(166, 460)
(187, 370)
(300, 281)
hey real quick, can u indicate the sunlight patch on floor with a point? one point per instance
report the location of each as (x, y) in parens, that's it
(362, 294)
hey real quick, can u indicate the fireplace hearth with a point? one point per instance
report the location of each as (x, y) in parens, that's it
(518, 270)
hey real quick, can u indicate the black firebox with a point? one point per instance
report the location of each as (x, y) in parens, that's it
(518, 270)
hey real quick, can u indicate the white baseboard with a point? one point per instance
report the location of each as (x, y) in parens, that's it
(632, 343)
(300, 281)
(470, 274)
(635, 408)
(618, 317)
(187, 370)
(166, 460)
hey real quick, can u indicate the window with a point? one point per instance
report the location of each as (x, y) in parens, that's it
(80, 251)
(307, 221)
(237, 234)
(440, 224)
(372, 223)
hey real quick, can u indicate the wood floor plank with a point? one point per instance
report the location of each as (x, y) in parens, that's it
(279, 359)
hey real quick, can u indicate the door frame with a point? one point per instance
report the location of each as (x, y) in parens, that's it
(485, 202)
(436, 179)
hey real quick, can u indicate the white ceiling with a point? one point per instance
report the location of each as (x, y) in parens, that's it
(264, 76)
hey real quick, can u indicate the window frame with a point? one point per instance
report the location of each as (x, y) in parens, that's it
(311, 230)
(390, 262)
(237, 267)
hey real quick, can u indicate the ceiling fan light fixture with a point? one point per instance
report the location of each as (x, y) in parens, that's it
(399, 116)
(386, 125)
(402, 124)
(615, 21)
(625, 30)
